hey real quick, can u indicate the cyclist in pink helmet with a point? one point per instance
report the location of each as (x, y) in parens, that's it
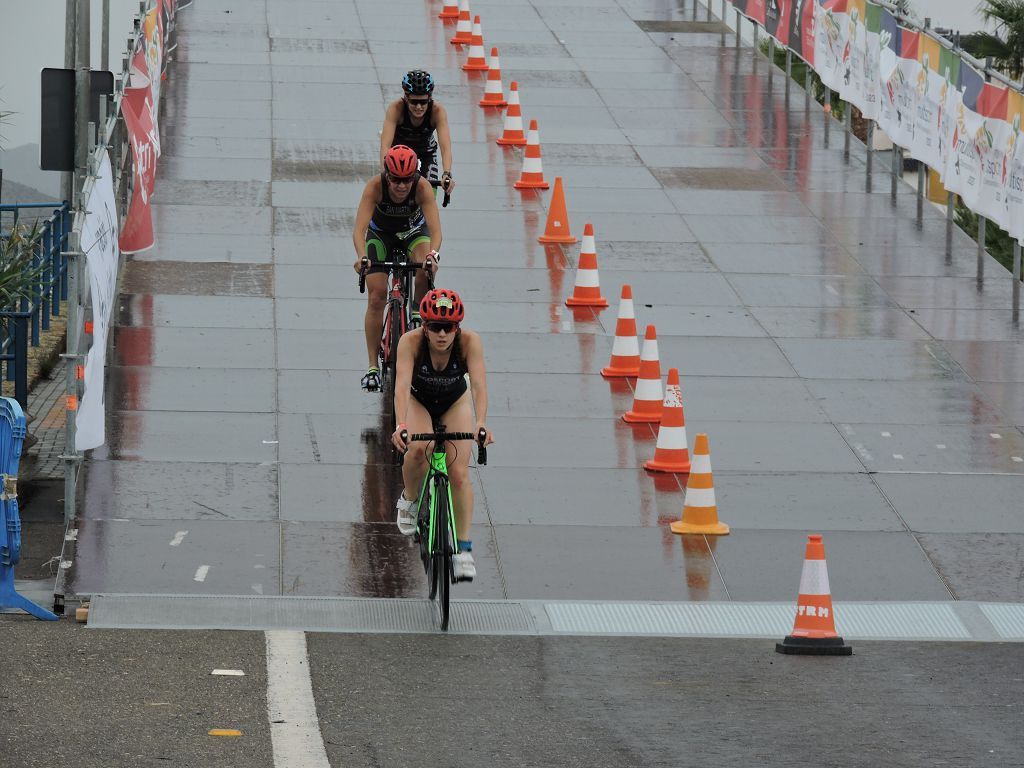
(430, 387)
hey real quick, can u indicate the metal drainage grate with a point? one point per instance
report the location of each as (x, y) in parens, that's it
(313, 614)
(1008, 619)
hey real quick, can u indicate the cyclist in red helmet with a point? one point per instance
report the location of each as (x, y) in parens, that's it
(413, 121)
(397, 211)
(430, 386)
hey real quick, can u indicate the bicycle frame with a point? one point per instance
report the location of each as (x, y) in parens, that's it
(437, 476)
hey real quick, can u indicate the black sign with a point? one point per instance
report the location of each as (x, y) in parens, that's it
(57, 116)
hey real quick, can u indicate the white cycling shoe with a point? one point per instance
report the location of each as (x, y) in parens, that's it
(406, 515)
(463, 565)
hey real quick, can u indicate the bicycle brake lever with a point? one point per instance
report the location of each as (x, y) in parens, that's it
(481, 453)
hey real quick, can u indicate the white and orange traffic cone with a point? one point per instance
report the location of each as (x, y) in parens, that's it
(700, 512)
(450, 10)
(625, 359)
(814, 629)
(672, 453)
(494, 96)
(532, 176)
(464, 29)
(513, 135)
(556, 229)
(476, 61)
(647, 397)
(587, 290)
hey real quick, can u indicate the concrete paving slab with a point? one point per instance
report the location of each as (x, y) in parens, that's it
(904, 402)
(216, 169)
(253, 194)
(871, 359)
(653, 256)
(968, 324)
(183, 491)
(145, 388)
(330, 438)
(254, 249)
(709, 202)
(923, 262)
(618, 563)
(703, 321)
(192, 436)
(193, 347)
(725, 356)
(563, 353)
(758, 229)
(321, 350)
(989, 360)
(862, 565)
(775, 446)
(565, 396)
(747, 398)
(810, 291)
(956, 503)
(944, 448)
(218, 127)
(839, 323)
(790, 258)
(1008, 399)
(175, 145)
(690, 289)
(155, 310)
(225, 557)
(982, 566)
(214, 220)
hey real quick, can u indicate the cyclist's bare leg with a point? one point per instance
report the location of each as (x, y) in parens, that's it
(414, 466)
(376, 299)
(419, 255)
(459, 418)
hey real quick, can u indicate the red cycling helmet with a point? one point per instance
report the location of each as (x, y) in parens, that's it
(442, 305)
(401, 161)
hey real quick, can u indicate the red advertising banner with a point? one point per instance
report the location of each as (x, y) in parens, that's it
(137, 232)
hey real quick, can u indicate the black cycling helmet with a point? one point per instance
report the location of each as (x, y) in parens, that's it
(418, 83)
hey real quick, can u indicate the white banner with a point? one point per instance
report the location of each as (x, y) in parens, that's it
(1015, 183)
(99, 243)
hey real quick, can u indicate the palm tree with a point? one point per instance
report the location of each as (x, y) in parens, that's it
(1006, 45)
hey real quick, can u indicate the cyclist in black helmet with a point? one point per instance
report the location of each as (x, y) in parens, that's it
(413, 121)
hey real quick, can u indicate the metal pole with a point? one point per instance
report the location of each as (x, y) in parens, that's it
(105, 42)
(789, 73)
(738, 19)
(827, 110)
(710, 17)
(848, 126)
(950, 198)
(1016, 281)
(897, 163)
(870, 155)
(81, 98)
(807, 89)
(920, 194)
(771, 58)
(67, 178)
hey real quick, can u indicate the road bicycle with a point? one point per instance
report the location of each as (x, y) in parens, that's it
(435, 517)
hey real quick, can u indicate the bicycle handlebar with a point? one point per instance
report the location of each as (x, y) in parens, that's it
(435, 183)
(405, 266)
(444, 437)
(362, 275)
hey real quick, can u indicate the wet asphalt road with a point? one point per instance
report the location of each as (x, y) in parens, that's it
(853, 381)
(148, 699)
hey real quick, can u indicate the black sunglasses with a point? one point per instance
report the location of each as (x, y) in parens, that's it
(418, 102)
(400, 179)
(437, 327)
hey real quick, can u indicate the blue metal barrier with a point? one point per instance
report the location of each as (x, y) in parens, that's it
(12, 434)
(22, 324)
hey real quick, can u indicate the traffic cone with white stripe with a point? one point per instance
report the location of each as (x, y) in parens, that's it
(587, 290)
(556, 230)
(476, 61)
(700, 513)
(513, 135)
(625, 350)
(450, 10)
(672, 454)
(532, 176)
(647, 397)
(464, 29)
(814, 629)
(493, 94)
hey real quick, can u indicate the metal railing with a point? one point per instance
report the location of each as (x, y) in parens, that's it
(22, 326)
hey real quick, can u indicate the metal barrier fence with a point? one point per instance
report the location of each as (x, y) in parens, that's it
(984, 67)
(21, 327)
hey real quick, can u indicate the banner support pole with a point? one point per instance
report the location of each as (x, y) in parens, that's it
(871, 155)
(1016, 281)
(848, 125)
(920, 194)
(982, 236)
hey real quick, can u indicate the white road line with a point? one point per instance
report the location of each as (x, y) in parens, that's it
(291, 709)
(201, 572)
(995, 435)
(178, 538)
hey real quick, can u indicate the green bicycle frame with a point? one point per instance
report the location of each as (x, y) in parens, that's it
(438, 466)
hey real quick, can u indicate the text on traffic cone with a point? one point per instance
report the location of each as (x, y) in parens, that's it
(672, 454)
(814, 628)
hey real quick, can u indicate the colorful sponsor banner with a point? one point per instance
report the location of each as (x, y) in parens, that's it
(99, 244)
(1014, 198)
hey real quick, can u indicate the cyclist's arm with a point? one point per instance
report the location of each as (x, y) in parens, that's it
(444, 138)
(403, 373)
(428, 204)
(387, 132)
(371, 194)
(474, 350)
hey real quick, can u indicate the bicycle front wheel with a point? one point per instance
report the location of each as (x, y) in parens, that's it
(443, 556)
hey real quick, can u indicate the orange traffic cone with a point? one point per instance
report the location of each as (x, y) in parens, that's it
(557, 228)
(672, 454)
(814, 629)
(476, 61)
(450, 10)
(463, 30)
(700, 513)
(625, 351)
(647, 397)
(493, 95)
(532, 176)
(513, 134)
(587, 291)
